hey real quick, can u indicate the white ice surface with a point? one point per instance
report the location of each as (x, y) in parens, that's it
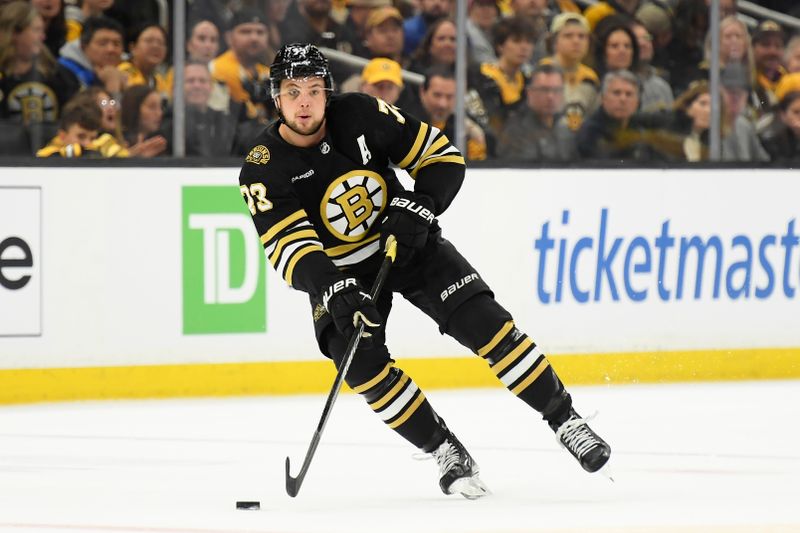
(686, 458)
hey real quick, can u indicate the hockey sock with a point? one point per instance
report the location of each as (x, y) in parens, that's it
(401, 404)
(524, 370)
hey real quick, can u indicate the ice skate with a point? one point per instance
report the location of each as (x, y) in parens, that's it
(583, 443)
(458, 471)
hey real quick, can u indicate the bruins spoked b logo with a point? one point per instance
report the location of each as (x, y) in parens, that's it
(352, 203)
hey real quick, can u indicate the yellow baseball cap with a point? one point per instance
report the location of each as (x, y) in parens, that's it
(382, 69)
(561, 20)
(382, 14)
(789, 83)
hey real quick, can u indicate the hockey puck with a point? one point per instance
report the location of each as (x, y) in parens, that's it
(248, 506)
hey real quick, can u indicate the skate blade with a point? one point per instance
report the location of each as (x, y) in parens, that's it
(607, 472)
(471, 488)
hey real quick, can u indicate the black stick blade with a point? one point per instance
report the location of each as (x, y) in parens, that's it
(292, 486)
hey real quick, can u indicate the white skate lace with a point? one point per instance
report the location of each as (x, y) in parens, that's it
(575, 435)
(446, 456)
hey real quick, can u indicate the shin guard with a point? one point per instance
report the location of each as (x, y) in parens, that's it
(524, 370)
(401, 404)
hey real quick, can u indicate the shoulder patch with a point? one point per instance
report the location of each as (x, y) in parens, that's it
(258, 155)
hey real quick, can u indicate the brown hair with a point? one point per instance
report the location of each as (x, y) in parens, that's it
(16, 17)
(81, 110)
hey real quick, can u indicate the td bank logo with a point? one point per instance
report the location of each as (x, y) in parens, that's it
(224, 272)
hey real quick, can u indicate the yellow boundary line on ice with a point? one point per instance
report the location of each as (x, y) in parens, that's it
(306, 377)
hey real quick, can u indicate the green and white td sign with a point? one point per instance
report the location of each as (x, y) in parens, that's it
(224, 269)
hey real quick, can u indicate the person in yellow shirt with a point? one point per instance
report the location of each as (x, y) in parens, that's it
(570, 44)
(77, 131)
(76, 15)
(242, 67)
(148, 49)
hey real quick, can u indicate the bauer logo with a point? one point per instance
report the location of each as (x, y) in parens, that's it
(224, 273)
(20, 261)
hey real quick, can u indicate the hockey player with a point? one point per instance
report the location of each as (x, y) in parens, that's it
(323, 198)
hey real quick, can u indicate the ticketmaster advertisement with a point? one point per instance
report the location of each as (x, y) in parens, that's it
(20, 262)
(163, 266)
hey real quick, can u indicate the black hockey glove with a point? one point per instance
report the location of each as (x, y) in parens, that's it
(349, 304)
(408, 217)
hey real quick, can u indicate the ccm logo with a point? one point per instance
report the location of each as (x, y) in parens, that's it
(457, 285)
(408, 205)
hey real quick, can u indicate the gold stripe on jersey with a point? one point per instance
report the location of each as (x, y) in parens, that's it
(441, 159)
(438, 144)
(350, 254)
(281, 225)
(483, 352)
(344, 249)
(303, 234)
(295, 257)
(438, 149)
(364, 387)
(412, 154)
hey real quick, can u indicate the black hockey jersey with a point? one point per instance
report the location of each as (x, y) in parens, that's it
(317, 209)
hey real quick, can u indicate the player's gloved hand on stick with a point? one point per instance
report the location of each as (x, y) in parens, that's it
(408, 217)
(349, 303)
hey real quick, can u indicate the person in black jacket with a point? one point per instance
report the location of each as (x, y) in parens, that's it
(615, 132)
(782, 138)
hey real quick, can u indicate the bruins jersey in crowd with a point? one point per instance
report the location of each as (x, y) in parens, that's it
(317, 209)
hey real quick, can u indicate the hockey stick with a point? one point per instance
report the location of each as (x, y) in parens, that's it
(293, 483)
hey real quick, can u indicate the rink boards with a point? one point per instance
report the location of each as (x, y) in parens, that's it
(151, 282)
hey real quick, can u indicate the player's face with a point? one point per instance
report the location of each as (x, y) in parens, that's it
(203, 45)
(302, 104)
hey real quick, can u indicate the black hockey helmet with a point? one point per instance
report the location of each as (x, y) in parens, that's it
(295, 61)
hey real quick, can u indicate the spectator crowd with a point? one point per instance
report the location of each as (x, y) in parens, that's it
(547, 80)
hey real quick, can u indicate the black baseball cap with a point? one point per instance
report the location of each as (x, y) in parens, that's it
(247, 16)
(767, 28)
